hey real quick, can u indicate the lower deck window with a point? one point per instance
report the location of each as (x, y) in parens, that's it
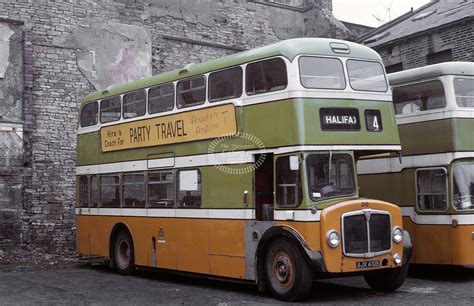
(83, 191)
(189, 188)
(160, 189)
(431, 189)
(110, 190)
(134, 190)
(94, 191)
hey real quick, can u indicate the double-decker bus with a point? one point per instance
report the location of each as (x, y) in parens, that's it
(243, 167)
(433, 180)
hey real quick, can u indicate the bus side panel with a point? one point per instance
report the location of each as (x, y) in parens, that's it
(90, 239)
(82, 236)
(433, 244)
(192, 245)
(463, 244)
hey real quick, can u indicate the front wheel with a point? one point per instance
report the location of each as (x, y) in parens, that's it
(288, 274)
(124, 255)
(387, 279)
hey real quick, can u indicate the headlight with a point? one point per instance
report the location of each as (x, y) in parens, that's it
(333, 238)
(397, 259)
(397, 235)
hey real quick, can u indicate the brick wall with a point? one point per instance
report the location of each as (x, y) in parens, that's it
(413, 52)
(181, 31)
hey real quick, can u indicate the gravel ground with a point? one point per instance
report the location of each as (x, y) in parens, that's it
(74, 281)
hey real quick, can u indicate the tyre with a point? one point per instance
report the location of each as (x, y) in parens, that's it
(124, 255)
(387, 279)
(289, 276)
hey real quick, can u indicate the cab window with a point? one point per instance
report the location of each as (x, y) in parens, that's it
(288, 183)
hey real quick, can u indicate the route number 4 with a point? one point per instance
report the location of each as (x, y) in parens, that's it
(375, 123)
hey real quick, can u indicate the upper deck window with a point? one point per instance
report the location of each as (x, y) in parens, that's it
(110, 109)
(134, 104)
(161, 98)
(225, 84)
(89, 114)
(464, 90)
(419, 97)
(265, 76)
(191, 92)
(366, 76)
(322, 73)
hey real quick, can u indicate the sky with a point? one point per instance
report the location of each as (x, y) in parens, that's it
(367, 11)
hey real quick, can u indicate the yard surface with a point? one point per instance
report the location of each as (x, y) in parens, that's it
(84, 283)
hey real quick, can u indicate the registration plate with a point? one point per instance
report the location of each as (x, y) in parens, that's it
(367, 264)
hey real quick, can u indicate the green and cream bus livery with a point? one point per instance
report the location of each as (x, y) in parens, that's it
(433, 180)
(244, 167)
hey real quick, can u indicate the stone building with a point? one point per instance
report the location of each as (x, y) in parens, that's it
(440, 31)
(52, 53)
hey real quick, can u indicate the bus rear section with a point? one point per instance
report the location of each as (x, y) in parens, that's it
(244, 168)
(433, 180)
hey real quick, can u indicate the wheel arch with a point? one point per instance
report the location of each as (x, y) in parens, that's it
(272, 234)
(119, 227)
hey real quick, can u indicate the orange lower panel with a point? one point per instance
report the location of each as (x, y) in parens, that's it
(441, 243)
(181, 244)
(227, 266)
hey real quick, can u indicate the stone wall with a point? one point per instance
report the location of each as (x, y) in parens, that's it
(415, 51)
(11, 131)
(71, 48)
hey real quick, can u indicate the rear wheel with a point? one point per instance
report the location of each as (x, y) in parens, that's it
(124, 256)
(288, 274)
(387, 279)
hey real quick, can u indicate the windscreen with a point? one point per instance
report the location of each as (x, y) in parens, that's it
(463, 186)
(330, 175)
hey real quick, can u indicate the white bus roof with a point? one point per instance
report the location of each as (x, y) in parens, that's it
(431, 71)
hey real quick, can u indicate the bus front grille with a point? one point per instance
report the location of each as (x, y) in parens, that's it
(366, 233)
